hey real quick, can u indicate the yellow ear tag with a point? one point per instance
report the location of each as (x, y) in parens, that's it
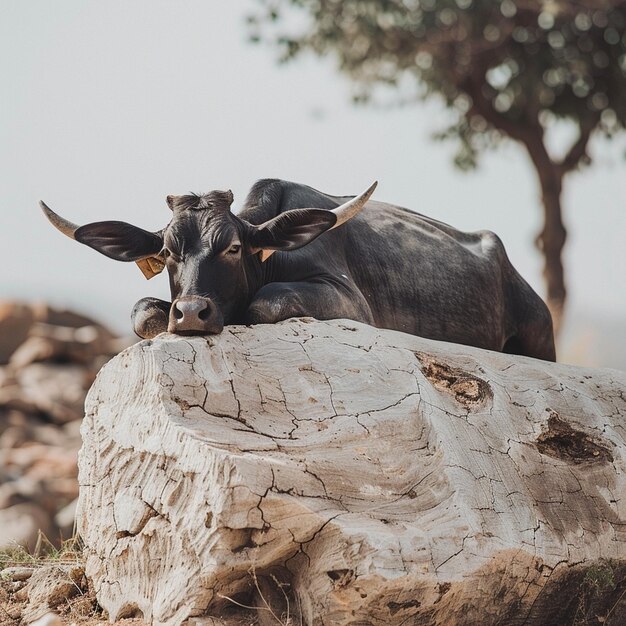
(151, 266)
(266, 254)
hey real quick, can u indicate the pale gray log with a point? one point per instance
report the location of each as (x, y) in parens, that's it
(386, 478)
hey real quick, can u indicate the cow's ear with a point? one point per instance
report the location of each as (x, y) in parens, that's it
(124, 242)
(119, 240)
(291, 230)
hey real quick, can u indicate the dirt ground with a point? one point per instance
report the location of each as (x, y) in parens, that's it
(80, 610)
(31, 587)
(79, 607)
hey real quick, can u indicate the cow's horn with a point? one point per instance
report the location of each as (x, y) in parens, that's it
(67, 228)
(352, 207)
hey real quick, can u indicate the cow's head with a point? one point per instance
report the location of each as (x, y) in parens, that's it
(208, 251)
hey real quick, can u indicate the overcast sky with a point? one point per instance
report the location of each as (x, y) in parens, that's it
(108, 107)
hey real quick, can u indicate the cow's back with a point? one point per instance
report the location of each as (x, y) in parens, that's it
(418, 275)
(426, 278)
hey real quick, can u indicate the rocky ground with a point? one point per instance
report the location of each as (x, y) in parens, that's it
(68, 602)
(48, 360)
(48, 591)
(53, 591)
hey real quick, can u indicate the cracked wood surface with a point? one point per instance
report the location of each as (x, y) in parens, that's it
(373, 477)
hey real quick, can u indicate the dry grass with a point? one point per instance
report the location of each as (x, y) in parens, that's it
(81, 609)
(45, 553)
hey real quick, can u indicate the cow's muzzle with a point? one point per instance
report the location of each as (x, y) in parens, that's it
(195, 315)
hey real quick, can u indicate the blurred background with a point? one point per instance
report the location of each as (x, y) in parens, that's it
(109, 107)
(501, 115)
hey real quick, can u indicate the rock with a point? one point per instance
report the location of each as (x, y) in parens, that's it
(65, 519)
(16, 319)
(21, 524)
(17, 573)
(351, 475)
(50, 586)
(14, 614)
(49, 619)
(44, 486)
(42, 467)
(18, 491)
(63, 344)
(46, 314)
(56, 390)
(53, 359)
(71, 434)
(17, 428)
(21, 593)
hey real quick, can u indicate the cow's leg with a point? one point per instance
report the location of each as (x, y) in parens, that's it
(323, 300)
(150, 317)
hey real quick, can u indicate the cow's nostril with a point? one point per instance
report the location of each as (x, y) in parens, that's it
(204, 314)
(194, 315)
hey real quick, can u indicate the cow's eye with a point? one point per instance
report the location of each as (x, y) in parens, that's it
(234, 249)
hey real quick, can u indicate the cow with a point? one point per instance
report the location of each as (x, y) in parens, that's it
(293, 251)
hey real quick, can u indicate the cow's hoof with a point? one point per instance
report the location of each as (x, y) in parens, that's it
(149, 317)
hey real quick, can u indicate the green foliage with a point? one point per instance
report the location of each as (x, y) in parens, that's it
(499, 65)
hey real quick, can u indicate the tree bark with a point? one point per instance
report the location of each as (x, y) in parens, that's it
(550, 242)
(551, 239)
(553, 235)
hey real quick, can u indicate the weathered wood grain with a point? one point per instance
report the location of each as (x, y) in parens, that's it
(373, 477)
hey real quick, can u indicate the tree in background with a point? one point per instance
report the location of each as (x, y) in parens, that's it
(505, 68)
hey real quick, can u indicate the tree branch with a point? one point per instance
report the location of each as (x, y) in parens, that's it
(578, 152)
(483, 107)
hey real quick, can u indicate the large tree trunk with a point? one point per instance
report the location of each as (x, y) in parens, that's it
(551, 239)
(348, 475)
